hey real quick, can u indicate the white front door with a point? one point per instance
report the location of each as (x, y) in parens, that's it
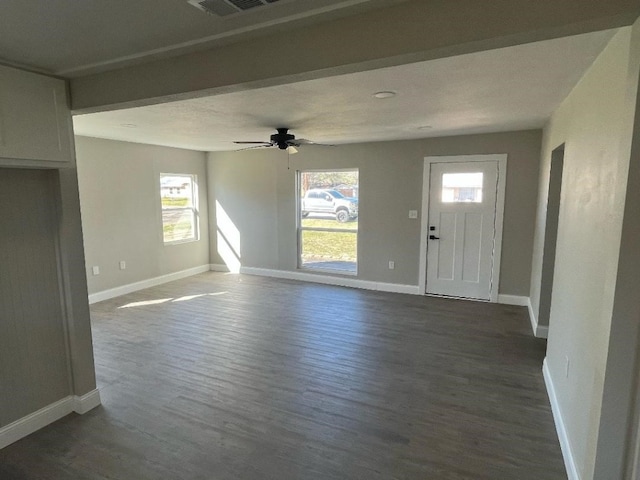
(461, 236)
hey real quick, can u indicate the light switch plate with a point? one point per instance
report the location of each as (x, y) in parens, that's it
(413, 213)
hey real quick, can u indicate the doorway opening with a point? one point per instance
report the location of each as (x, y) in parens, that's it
(550, 240)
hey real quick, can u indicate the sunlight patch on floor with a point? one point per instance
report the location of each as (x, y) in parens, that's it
(158, 301)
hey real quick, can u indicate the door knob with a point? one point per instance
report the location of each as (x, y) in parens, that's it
(433, 237)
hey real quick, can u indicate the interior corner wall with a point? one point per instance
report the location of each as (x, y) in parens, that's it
(256, 190)
(243, 206)
(119, 186)
(595, 123)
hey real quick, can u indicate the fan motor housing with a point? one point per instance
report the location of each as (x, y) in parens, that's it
(282, 138)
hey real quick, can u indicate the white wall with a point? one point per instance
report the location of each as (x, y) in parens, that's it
(595, 123)
(257, 191)
(619, 415)
(121, 213)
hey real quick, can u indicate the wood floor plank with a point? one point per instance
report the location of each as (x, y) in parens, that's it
(238, 377)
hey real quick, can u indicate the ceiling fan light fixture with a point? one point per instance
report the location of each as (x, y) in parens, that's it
(282, 140)
(385, 94)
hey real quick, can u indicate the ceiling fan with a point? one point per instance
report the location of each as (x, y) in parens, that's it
(283, 140)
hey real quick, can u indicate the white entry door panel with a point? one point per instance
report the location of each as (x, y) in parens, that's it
(462, 229)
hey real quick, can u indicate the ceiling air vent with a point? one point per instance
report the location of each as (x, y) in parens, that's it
(223, 8)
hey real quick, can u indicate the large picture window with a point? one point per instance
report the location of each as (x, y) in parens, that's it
(328, 220)
(179, 199)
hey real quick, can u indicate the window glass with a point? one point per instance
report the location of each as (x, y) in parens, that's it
(462, 187)
(179, 213)
(328, 220)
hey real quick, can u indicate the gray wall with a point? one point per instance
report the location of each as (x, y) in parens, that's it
(121, 213)
(256, 189)
(595, 123)
(45, 350)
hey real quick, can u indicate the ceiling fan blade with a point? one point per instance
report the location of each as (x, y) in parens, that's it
(304, 141)
(252, 143)
(266, 145)
(320, 144)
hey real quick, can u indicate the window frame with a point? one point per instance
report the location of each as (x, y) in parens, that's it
(193, 208)
(300, 228)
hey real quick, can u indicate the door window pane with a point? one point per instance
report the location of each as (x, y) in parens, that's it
(462, 187)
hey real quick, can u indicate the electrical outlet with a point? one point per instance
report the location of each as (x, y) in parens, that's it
(566, 366)
(392, 265)
(96, 270)
(413, 213)
(123, 264)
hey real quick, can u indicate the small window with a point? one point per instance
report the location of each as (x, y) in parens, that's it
(178, 193)
(462, 187)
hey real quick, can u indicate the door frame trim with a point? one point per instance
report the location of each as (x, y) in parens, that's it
(501, 159)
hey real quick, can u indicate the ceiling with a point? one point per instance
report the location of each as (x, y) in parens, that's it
(72, 38)
(505, 89)
(495, 90)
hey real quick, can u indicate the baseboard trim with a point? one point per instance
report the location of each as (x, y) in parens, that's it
(565, 444)
(518, 300)
(539, 331)
(141, 285)
(332, 280)
(542, 332)
(86, 402)
(296, 275)
(35, 421)
(216, 267)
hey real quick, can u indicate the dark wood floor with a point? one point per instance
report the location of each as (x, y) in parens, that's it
(238, 377)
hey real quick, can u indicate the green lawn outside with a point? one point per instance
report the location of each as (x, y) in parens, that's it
(329, 223)
(329, 246)
(175, 201)
(338, 246)
(178, 231)
(177, 225)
